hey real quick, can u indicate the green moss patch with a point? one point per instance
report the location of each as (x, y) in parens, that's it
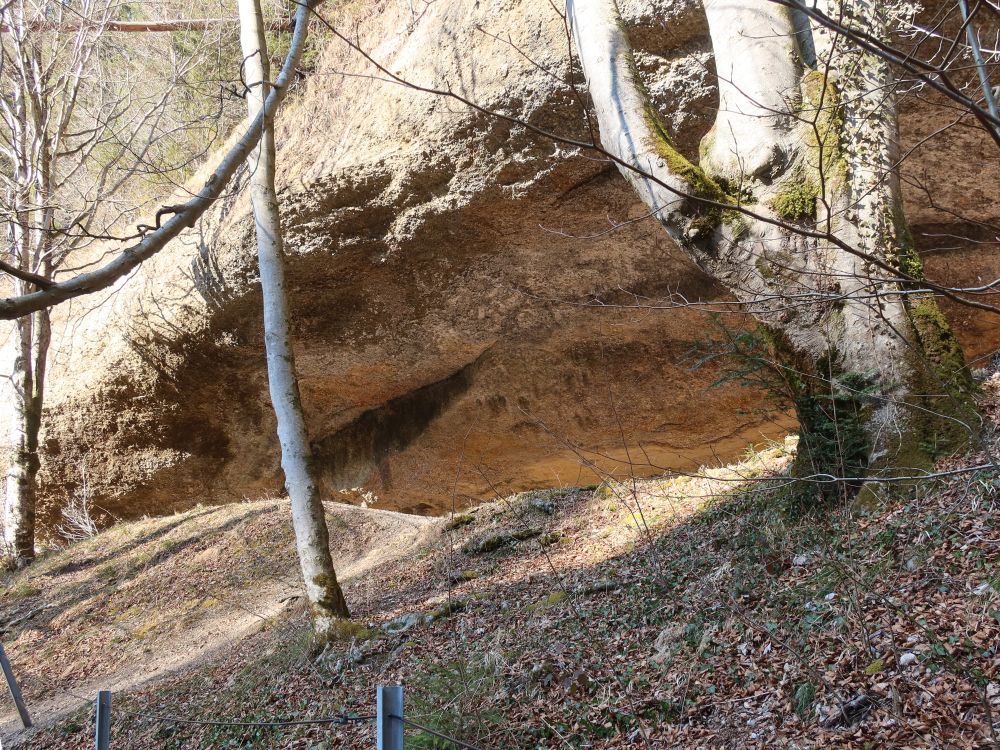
(823, 111)
(699, 183)
(797, 201)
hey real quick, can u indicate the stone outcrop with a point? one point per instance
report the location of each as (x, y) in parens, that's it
(468, 297)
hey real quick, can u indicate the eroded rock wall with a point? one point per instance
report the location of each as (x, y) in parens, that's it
(445, 266)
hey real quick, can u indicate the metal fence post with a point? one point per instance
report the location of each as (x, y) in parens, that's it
(15, 691)
(389, 721)
(102, 737)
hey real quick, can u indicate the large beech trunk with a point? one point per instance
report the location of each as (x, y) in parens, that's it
(805, 137)
(326, 600)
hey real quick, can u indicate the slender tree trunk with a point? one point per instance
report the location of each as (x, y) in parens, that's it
(32, 334)
(23, 462)
(806, 136)
(326, 599)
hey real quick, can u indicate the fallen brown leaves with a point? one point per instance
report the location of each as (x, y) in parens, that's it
(684, 613)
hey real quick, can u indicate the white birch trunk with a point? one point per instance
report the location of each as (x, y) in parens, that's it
(32, 334)
(326, 601)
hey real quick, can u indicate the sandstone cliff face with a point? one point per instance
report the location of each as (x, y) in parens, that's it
(442, 264)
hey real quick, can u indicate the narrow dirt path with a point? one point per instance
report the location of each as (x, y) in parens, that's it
(211, 578)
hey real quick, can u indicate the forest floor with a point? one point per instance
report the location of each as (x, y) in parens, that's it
(721, 610)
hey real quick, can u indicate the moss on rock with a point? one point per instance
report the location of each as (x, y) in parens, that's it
(552, 600)
(348, 630)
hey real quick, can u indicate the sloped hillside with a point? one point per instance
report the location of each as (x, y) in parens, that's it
(153, 597)
(725, 609)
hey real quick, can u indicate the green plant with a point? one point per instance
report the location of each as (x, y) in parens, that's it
(834, 441)
(803, 699)
(448, 697)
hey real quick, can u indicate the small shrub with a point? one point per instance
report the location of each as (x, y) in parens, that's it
(77, 523)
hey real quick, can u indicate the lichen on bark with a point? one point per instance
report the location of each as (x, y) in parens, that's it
(822, 116)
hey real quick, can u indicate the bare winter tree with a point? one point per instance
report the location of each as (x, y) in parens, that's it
(57, 155)
(326, 600)
(48, 143)
(78, 282)
(795, 207)
(71, 140)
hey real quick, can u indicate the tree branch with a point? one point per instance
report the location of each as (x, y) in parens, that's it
(186, 214)
(185, 24)
(32, 278)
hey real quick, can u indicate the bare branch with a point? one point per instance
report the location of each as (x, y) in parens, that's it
(186, 214)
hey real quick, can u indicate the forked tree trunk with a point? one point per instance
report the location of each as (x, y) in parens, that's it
(326, 601)
(805, 135)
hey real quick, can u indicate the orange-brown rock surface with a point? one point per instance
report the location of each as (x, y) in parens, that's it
(446, 268)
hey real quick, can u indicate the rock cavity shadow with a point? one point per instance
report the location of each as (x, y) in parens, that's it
(349, 457)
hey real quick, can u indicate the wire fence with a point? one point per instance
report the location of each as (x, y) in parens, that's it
(390, 721)
(434, 732)
(340, 719)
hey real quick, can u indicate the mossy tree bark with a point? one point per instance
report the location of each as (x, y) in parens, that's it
(326, 600)
(805, 138)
